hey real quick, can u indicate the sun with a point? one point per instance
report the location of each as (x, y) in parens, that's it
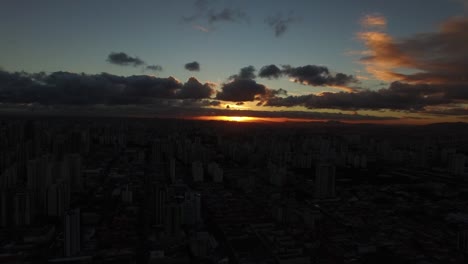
(230, 118)
(238, 118)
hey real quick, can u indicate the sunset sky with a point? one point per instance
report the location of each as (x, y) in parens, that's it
(356, 61)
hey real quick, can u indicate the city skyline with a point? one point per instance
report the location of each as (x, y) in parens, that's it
(372, 61)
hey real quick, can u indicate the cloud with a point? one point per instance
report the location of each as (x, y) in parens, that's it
(204, 11)
(464, 3)
(398, 96)
(374, 21)
(215, 103)
(202, 28)
(180, 109)
(439, 57)
(196, 90)
(192, 66)
(245, 73)
(226, 14)
(317, 76)
(242, 87)
(448, 111)
(270, 71)
(311, 75)
(122, 59)
(241, 90)
(279, 23)
(154, 68)
(305, 115)
(88, 89)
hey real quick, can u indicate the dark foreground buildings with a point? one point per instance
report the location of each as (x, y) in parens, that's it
(117, 190)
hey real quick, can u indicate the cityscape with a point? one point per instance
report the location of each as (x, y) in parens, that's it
(126, 190)
(234, 132)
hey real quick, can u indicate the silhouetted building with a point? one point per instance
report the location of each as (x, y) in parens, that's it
(23, 208)
(55, 204)
(462, 242)
(324, 181)
(72, 233)
(158, 203)
(192, 204)
(197, 171)
(74, 170)
(457, 164)
(174, 218)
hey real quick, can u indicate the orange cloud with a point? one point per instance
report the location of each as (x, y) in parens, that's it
(374, 20)
(439, 57)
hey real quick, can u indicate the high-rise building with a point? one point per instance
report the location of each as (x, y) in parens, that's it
(277, 174)
(55, 205)
(72, 233)
(4, 207)
(9, 177)
(192, 208)
(462, 241)
(197, 171)
(324, 181)
(174, 218)
(127, 195)
(158, 203)
(457, 164)
(22, 208)
(172, 170)
(74, 169)
(216, 172)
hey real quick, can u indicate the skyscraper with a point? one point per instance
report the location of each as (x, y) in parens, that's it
(197, 171)
(457, 164)
(72, 233)
(74, 169)
(174, 217)
(158, 203)
(324, 181)
(55, 200)
(22, 208)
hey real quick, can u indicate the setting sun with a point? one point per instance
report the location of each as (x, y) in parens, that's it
(239, 118)
(230, 118)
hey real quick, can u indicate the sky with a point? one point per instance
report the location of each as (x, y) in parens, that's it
(367, 60)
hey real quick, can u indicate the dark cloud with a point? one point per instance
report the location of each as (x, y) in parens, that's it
(87, 89)
(226, 14)
(246, 73)
(279, 23)
(215, 103)
(121, 58)
(399, 96)
(192, 66)
(196, 90)
(317, 76)
(204, 11)
(270, 71)
(240, 103)
(306, 115)
(180, 108)
(310, 75)
(448, 111)
(241, 90)
(154, 68)
(143, 88)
